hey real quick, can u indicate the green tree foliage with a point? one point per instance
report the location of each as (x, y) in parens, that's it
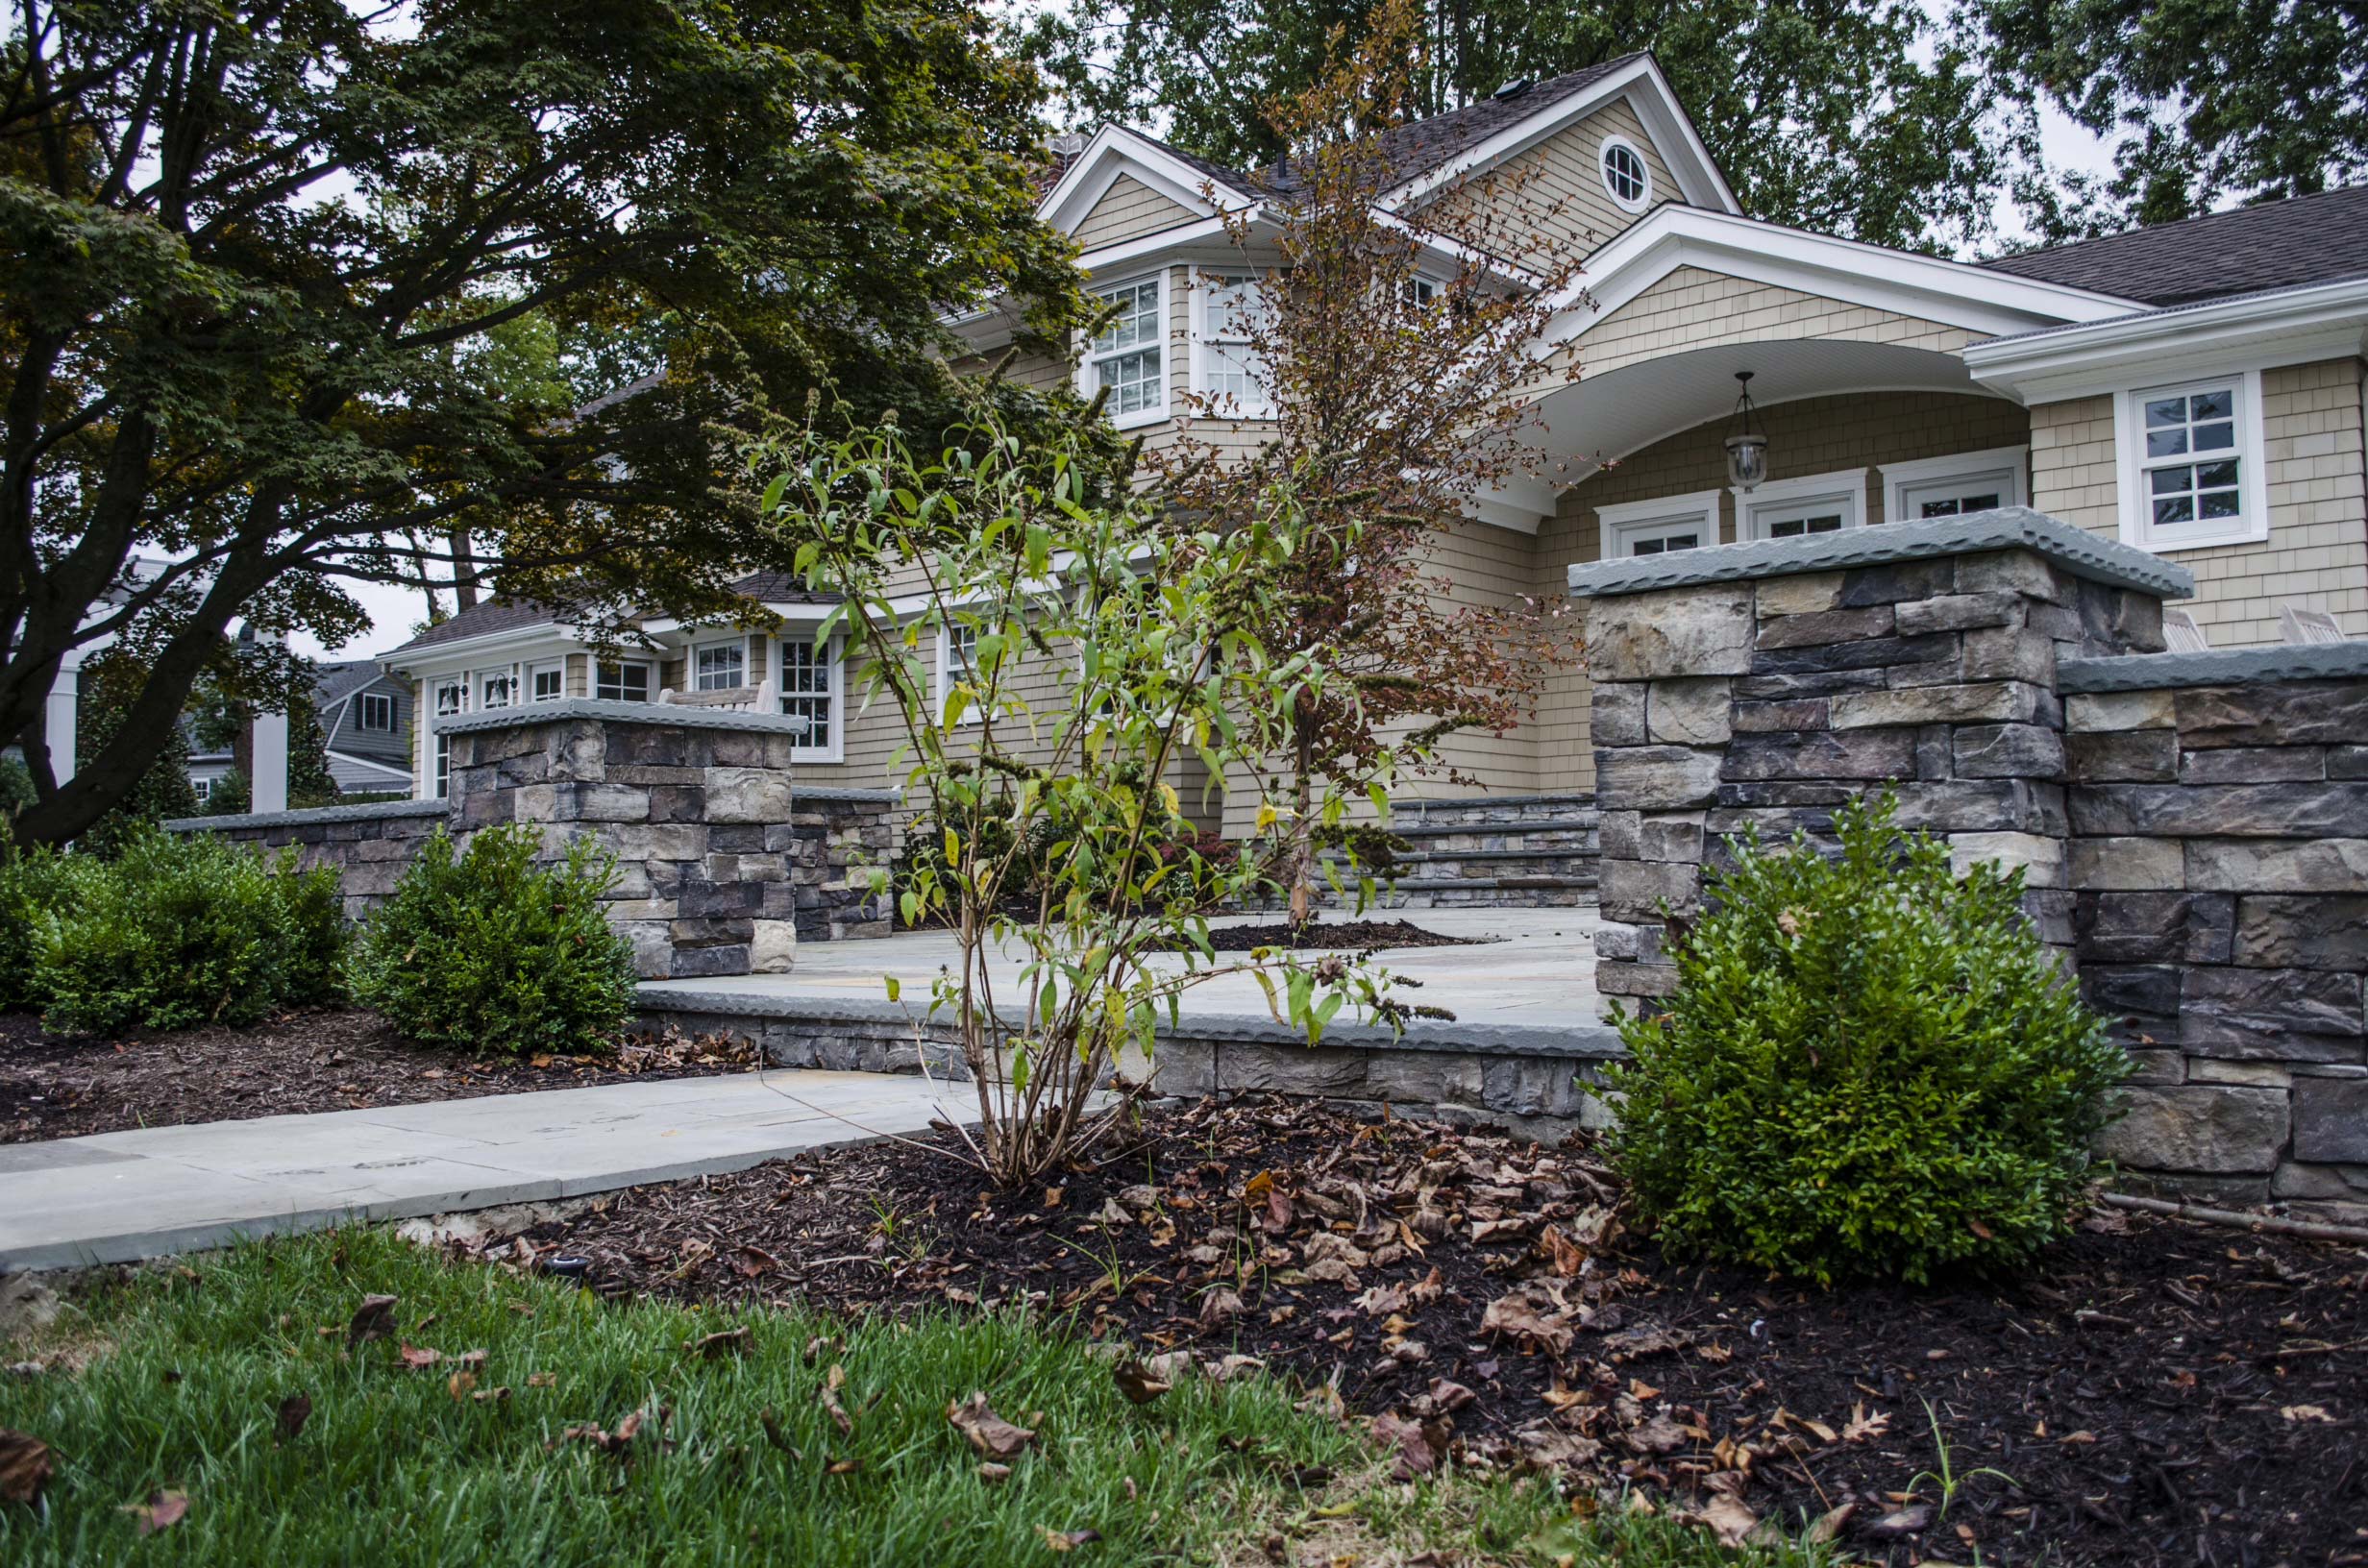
(179, 930)
(494, 951)
(2201, 100)
(1871, 1067)
(292, 291)
(1107, 648)
(1857, 118)
(111, 686)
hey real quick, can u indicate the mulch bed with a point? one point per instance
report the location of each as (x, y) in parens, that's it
(309, 1059)
(1333, 936)
(2160, 1392)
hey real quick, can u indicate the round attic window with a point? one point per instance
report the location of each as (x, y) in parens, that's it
(1627, 179)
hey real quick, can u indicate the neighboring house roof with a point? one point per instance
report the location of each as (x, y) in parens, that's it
(2282, 244)
(480, 620)
(779, 588)
(333, 683)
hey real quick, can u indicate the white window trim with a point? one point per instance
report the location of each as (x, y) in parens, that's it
(1206, 335)
(542, 668)
(648, 683)
(971, 713)
(1089, 380)
(691, 674)
(1898, 479)
(499, 671)
(1603, 158)
(1847, 486)
(204, 786)
(437, 689)
(2137, 525)
(835, 750)
(1628, 520)
(362, 704)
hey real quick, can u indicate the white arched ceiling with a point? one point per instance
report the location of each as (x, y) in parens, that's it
(1610, 416)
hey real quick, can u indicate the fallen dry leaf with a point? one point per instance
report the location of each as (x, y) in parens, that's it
(832, 1382)
(1135, 1381)
(542, 1380)
(1729, 1519)
(992, 1473)
(25, 1466)
(994, 1437)
(418, 1357)
(1826, 1529)
(1420, 1445)
(294, 1411)
(162, 1510)
(1861, 1425)
(373, 1320)
(714, 1347)
(1067, 1541)
(460, 1386)
(2304, 1413)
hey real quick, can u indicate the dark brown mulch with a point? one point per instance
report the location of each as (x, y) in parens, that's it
(309, 1059)
(1334, 936)
(2160, 1392)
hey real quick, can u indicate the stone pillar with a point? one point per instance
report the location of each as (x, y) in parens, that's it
(1762, 685)
(694, 803)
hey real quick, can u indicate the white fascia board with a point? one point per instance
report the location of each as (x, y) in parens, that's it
(2323, 321)
(1127, 252)
(1648, 93)
(1114, 151)
(443, 658)
(1949, 293)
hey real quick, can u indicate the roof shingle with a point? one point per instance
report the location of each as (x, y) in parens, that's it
(2284, 244)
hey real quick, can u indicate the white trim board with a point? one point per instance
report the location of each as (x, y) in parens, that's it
(1898, 479)
(2324, 321)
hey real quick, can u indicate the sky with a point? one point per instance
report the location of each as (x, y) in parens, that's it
(395, 611)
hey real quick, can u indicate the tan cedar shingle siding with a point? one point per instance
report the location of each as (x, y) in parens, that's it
(1554, 191)
(2316, 556)
(1694, 308)
(1127, 211)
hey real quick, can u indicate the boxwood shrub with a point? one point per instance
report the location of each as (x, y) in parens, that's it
(178, 930)
(1871, 1067)
(489, 950)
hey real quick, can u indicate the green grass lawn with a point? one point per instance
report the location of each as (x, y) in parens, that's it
(181, 1378)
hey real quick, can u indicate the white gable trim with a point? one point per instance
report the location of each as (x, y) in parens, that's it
(1926, 288)
(1647, 91)
(1114, 151)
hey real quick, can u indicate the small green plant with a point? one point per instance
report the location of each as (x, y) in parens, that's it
(1872, 1067)
(491, 952)
(34, 884)
(1946, 1477)
(176, 931)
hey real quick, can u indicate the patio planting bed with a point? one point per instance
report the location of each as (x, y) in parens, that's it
(2157, 1391)
(303, 1061)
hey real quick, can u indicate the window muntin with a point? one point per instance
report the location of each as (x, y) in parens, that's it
(375, 711)
(547, 683)
(1232, 306)
(496, 689)
(204, 788)
(1660, 525)
(811, 691)
(1802, 509)
(2191, 464)
(958, 665)
(626, 682)
(452, 696)
(1627, 178)
(443, 766)
(2190, 458)
(720, 667)
(1955, 485)
(1127, 357)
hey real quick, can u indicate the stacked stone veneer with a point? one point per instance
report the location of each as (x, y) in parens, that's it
(721, 866)
(2219, 847)
(2194, 828)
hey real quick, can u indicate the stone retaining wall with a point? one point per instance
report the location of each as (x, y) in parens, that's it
(2193, 827)
(2219, 847)
(722, 866)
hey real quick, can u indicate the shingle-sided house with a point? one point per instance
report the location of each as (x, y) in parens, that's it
(365, 726)
(2194, 389)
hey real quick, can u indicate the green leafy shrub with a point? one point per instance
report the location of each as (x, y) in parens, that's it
(176, 931)
(34, 884)
(487, 950)
(1871, 1067)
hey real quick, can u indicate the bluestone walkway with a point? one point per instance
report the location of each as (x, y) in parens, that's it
(114, 1197)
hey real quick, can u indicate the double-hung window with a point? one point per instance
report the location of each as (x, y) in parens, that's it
(957, 664)
(626, 682)
(1658, 526)
(811, 691)
(452, 699)
(375, 711)
(720, 667)
(1803, 507)
(2191, 464)
(1231, 374)
(1127, 358)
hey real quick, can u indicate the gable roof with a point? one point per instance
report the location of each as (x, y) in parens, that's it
(334, 683)
(2284, 244)
(498, 615)
(1416, 148)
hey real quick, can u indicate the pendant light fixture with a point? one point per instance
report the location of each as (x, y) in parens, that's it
(1747, 448)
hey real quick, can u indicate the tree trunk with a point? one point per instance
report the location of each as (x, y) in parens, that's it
(464, 571)
(1302, 824)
